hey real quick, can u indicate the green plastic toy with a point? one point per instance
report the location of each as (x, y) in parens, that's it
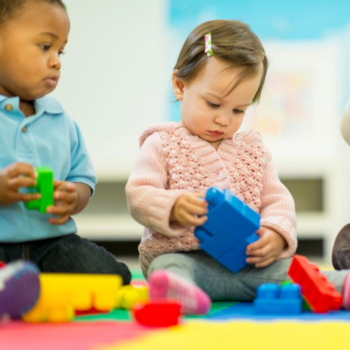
(44, 187)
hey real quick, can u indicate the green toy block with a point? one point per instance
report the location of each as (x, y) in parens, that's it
(44, 187)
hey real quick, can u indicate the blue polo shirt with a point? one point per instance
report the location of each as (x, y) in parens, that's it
(48, 138)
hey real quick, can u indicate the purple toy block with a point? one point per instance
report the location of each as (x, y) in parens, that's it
(275, 299)
(230, 227)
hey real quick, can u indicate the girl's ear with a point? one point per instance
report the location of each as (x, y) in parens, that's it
(178, 87)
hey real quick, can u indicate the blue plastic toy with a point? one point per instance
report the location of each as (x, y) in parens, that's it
(230, 227)
(275, 299)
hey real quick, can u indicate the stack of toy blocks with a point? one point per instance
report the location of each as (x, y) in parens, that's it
(319, 293)
(230, 227)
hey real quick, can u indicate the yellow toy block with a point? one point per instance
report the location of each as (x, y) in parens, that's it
(130, 295)
(62, 294)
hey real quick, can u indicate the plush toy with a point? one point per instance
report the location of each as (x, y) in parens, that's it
(341, 248)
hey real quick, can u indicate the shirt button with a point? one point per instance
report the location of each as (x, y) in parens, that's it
(9, 107)
(24, 129)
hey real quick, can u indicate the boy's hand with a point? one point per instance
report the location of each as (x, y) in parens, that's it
(66, 200)
(266, 249)
(12, 178)
(189, 210)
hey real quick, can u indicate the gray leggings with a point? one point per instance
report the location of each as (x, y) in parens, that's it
(221, 284)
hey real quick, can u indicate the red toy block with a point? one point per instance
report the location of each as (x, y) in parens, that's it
(158, 313)
(319, 293)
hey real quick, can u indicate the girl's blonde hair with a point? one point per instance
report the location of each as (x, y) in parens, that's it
(232, 41)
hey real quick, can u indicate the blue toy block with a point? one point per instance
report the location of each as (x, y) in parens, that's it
(238, 255)
(275, 299)
(230, 227)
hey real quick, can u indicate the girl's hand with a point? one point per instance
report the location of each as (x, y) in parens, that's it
(189, 210)
(12, 178)
(266, 249)
(65, 201)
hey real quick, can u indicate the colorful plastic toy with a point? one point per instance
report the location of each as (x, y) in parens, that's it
(19, 288)
(274, 299)
(44, 187)
(128, 296)
(62, 294)
(158, 313)
(304, 306)
(319, 293)
(230, 227)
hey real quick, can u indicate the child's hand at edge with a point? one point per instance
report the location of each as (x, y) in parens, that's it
(12, 178)
(189, 210)
(266, 249)
(66, 200)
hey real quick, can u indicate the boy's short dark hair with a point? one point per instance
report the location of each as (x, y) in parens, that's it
(9, 7)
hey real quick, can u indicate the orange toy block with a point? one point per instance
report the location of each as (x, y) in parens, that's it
(319, 293)
(61, 295)
(130, 295)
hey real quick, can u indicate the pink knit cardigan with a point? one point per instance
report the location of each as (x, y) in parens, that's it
(173, 161)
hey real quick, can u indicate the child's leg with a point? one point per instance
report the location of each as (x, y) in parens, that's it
(221, 284)
(10, 252)
(341, 249)
(19, 288)
(3, 255)
(341, 282)
(73, 254)
(201, 270)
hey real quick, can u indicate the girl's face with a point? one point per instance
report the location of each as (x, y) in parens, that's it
(208, 109)
(30, 45)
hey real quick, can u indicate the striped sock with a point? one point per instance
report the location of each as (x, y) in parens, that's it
(166, 285)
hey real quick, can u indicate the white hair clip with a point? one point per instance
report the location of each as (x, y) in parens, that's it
(208, 49)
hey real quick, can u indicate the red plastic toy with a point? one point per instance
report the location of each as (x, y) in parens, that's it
(319, 293)
(158, 313)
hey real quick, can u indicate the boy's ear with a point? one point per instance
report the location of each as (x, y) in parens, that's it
(178, 87)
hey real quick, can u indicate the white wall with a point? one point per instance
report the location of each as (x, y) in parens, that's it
(114, 77)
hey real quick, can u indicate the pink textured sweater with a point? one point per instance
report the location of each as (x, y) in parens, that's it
(173, 161)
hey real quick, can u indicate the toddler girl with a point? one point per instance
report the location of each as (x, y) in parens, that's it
(219, 73)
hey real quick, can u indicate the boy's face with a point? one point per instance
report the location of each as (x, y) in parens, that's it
(208, 108)
(30, 45)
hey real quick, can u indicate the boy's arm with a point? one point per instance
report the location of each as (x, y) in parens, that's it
(69, 198)
(84, 194)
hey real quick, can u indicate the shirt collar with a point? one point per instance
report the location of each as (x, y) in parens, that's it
(48, 105)
(44, 104)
